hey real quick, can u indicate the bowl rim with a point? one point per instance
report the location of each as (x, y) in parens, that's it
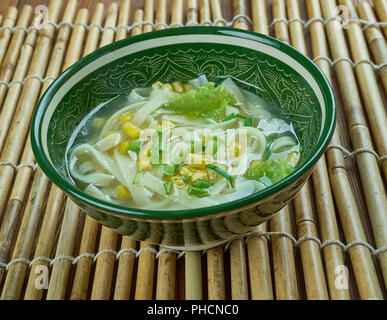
(328, 128)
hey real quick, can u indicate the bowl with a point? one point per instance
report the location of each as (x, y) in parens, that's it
(288, 78)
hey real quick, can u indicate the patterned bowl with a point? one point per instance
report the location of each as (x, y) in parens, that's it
(288, 78)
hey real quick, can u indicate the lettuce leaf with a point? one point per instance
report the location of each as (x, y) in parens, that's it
(204, 102)
(275, 171)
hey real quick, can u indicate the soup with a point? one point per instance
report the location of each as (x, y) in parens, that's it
(182, 145)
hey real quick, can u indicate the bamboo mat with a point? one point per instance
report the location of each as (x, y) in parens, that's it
(329, 243)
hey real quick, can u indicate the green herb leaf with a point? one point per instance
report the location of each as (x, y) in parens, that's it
(205, 102)
(274, 170)
(223, 173)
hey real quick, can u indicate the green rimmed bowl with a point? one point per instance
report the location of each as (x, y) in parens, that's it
(288, 78)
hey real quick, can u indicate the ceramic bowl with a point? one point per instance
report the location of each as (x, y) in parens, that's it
(288, 78)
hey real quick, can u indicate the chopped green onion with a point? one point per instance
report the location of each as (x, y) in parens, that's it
(268, 147)
(170, 169)
(223, 173)
(248, 120)
(201, 184)
(137, 177)
(192, 191)
(135, 146)
(168, 186)
(186, 180)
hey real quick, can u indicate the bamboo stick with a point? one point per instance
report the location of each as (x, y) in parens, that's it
(125, 270)
(239, 7)
(239, 282)
(166, 276)
(361, 259)
(205, 13)
(215, 274)
(138, 17)
(145, 274)
(324, 201)
(177, 18)
(192, 13)
(55, 199)
(149, 13)
(280, 27)
(105, 263)
(161, 14)
(29, 96)
(123, 19)
(12, 56)
(376, 41)
(193, 275)
(60, 270)
(258, 11)
(381, 11)
(373, 102)
(16, 273)
(5, 34)
(373, 188)
(285, 277)
(282, 247)
(13, 92)
(316, 287)
(91, 226)
(217, 14)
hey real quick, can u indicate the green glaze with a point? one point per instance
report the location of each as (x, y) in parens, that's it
(82, 87)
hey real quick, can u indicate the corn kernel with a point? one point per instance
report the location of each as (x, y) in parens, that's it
(168, 86)
(294, 158)
(124, 146)
(254, 164)
(131, 130)
(178, 87)
(201, 174)
(186, 171)
(126, 117)
(177, 181)
(157, 85)
(187, 87)
(123, 192)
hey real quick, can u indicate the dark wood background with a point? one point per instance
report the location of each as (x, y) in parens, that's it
(90, 4)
